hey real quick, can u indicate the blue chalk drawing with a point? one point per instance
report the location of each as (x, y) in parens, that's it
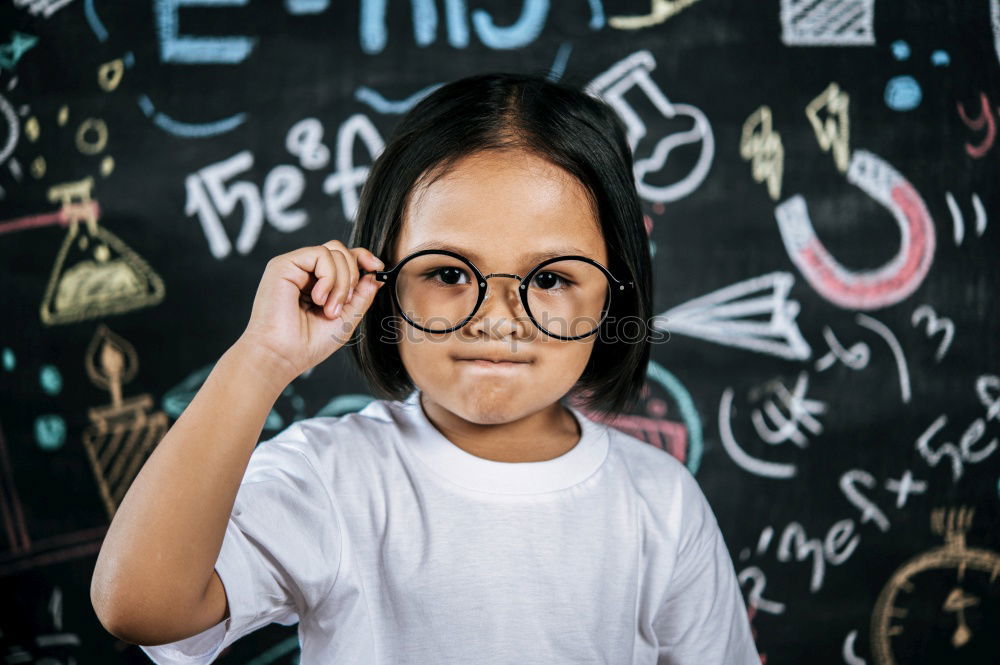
(9, 359)
(50, 379)
(458, 28)
(596, 14)
(524, 31)
(188, 129)
(342, 404)
(197, 50)
(379, 103)
(95, 23)
(689, 414)
(50, 431)
(558, 67)
(900, 49)
(300, 7)
(373, 33)
(903, 93)
(20, 43)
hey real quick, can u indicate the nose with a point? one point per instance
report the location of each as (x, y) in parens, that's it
(502, 293)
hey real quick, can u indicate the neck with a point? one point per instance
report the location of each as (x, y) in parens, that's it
(537, 437)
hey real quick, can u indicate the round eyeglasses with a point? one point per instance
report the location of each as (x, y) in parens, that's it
(439, 291)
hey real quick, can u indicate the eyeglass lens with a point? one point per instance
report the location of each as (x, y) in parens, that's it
(566, 298)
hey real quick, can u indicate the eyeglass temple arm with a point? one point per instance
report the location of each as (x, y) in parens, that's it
(380, 275)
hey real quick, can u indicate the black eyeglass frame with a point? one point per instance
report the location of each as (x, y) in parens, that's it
(389, 277)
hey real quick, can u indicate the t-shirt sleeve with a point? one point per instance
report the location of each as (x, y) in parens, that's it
(703, 620)
(280, 554)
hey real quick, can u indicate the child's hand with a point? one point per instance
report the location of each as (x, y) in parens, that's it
(301, 313)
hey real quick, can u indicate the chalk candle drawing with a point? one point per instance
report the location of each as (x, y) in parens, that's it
(95, 273)
(909, 603)
(631, 72)
(827, 22)
(121, 434)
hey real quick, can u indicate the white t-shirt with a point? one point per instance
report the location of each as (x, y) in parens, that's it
(390, 545)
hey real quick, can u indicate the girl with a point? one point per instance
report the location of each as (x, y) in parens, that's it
(471, 513)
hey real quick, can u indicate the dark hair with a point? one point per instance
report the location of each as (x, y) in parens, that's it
(564, 125)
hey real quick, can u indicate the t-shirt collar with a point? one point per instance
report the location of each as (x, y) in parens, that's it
(484, 475)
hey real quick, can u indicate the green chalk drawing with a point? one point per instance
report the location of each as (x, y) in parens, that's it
(51, 379)
(689, 414)
(50, 431)
(342, 404)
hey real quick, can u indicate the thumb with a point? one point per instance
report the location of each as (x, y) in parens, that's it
(350, 316)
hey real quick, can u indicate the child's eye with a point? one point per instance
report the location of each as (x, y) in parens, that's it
(549, 280)
(448, 275)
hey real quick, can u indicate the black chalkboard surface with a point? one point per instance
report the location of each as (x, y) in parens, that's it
(820, 183)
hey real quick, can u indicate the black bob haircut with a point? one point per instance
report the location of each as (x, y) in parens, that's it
(559, 122)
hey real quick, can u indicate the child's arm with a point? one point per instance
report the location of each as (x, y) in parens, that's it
(155, 580)
(703, 620)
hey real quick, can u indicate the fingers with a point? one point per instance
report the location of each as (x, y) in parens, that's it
(367, 260)
(333, 273)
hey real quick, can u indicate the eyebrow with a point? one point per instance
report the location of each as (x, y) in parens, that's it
(533, 259)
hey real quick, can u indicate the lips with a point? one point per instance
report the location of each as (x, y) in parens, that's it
(488, 362)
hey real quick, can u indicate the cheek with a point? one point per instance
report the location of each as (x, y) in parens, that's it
(565, 358)
(423, 355)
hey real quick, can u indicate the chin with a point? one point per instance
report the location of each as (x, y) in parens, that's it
(487, 405)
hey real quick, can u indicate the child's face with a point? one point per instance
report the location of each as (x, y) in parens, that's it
(498, 208)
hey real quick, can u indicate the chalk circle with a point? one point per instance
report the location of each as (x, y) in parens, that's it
(109, 75)
(84, 143)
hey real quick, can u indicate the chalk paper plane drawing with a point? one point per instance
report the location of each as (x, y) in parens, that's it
(727, 316)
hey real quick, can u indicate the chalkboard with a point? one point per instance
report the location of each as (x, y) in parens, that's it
(819, 179)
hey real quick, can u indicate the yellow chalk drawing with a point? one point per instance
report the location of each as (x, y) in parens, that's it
(32, 129)
(760, 144)
(95, 273)
(833, 130)
(38, 167)
(91, 136)
(659, 11)
(109, 75)
(63, 115)
(122, 434)
(907, 589)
